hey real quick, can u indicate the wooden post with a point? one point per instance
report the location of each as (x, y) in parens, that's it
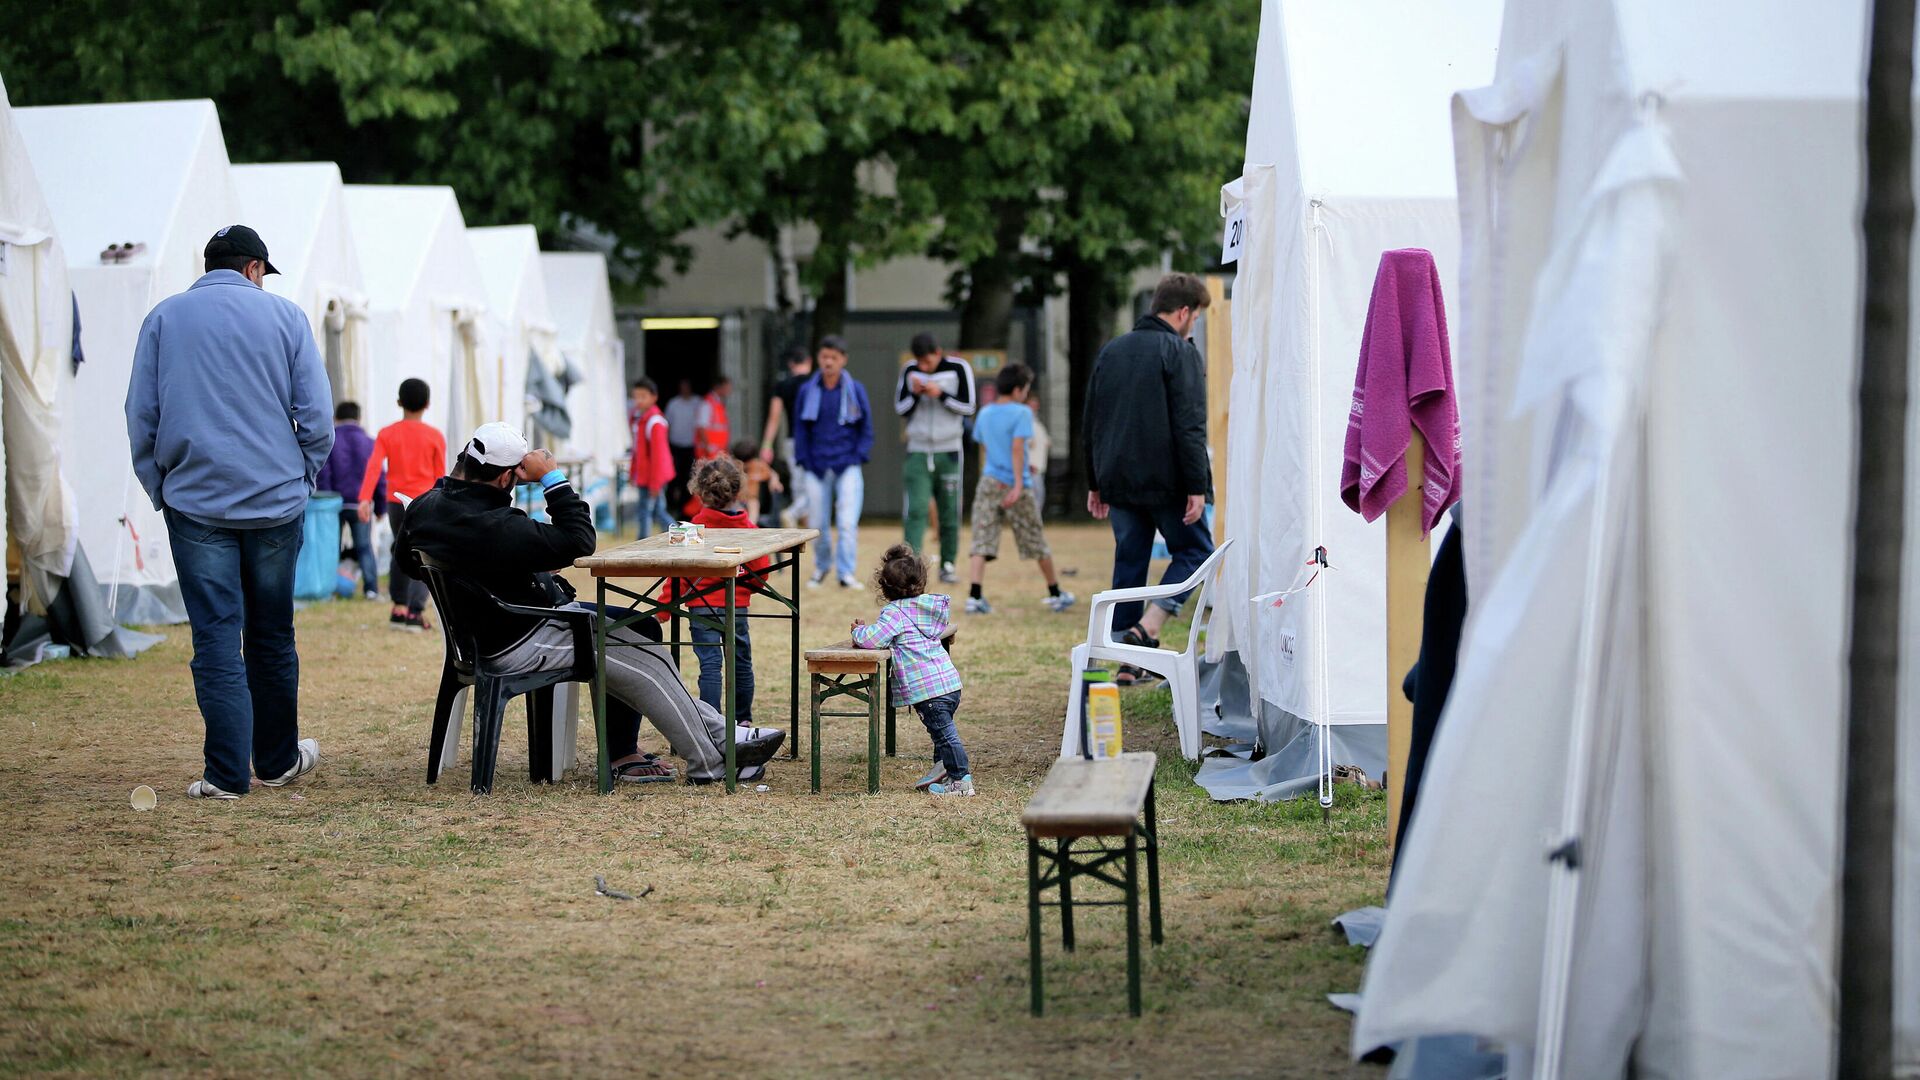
(1219, 395)
(1408, 563)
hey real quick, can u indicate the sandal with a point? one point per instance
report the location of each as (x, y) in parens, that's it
(1128, 675)
(648, 770)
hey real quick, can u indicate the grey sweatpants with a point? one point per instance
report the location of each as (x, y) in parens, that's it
(640, 675)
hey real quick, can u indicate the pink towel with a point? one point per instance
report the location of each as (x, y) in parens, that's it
(1405, 383)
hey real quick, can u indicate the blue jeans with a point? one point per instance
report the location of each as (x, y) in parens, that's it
(713, 672)
(834, 502)
(1133, 528)
(937, 715)
(363, 553)
(651, 507)
(238, 588)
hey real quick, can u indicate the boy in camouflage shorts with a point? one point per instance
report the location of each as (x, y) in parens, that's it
(1004, 431)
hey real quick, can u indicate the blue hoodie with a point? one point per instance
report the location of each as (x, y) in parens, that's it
(229, 412)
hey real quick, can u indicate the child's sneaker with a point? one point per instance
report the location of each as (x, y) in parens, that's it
(977, 605)
(1059, 603)
(935, 775)
(962, 786)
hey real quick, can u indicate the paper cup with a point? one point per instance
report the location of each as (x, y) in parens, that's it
(143, 798)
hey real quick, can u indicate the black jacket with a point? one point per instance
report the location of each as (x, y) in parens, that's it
(1146, 418)
(475, 531)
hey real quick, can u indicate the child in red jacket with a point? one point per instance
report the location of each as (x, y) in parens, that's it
(716, 483)
(652, 468)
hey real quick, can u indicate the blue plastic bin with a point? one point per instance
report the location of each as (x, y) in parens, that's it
(319, 563)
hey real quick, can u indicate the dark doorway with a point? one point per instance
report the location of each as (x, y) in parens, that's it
(676, 354)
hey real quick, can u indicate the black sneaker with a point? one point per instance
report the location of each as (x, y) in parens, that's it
(414, 623)
(396, 622)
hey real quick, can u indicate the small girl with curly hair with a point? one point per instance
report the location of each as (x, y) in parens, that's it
(912, 625)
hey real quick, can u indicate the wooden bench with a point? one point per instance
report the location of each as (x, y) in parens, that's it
(845, 670)
(1080, 800)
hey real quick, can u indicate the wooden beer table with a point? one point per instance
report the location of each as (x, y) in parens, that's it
(653, 558)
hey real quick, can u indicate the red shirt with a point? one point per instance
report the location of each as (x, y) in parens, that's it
(415, 455)
(652, 459)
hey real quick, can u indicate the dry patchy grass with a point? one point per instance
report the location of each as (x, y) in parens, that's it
(363, 923)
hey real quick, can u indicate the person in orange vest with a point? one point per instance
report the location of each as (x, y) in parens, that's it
(652, 468)
(712, 434)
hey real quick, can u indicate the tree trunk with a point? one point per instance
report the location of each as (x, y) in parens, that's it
(1093, 303)
(986, 316)
(1873, 661)
(830, 294)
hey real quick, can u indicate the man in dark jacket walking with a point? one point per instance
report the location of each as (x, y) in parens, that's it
(469, 525)
(1146, 431)
(346, 466)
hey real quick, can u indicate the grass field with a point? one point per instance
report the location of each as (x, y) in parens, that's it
(364, 923)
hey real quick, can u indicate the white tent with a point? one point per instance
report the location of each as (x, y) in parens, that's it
(1347, 156)
(582, 304)
(153, 173)
(1659, 302)
(425, 300)
(300, 211)
(520, 326)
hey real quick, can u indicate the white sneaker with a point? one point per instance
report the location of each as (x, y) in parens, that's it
(848, 581)
(1059, 603)
(947, 575)
(200, 789)
(977, 605)
(814, 581)
(306, 762)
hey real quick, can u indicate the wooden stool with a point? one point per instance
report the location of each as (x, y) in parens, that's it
(1080, 799)
(843, 670)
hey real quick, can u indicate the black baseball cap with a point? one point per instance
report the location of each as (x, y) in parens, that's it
(238, 240)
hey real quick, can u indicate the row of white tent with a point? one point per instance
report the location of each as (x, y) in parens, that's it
(1645, 215)
(394, 282)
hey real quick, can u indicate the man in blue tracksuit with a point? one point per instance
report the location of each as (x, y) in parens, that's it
(832, 439)
(228, 415)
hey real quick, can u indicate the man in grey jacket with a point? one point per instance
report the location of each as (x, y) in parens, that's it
(229, 419)
(935, 395)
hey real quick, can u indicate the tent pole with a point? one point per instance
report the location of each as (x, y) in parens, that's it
(1871, 776)
(1408, 563)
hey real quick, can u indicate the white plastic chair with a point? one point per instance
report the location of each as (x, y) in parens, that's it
(1180, 669)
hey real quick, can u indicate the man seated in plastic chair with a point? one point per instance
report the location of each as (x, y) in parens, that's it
(469, 526)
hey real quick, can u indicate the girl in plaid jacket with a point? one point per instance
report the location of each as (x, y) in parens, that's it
(912, 625)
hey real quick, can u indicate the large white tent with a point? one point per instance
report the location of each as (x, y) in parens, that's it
(582, 303)
(152, 173)
(1347, 157)
(299, 209)
(426, 299)
(1626, 846)
(520, 326)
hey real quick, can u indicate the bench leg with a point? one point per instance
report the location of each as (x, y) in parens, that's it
(888, 689)
(815, 731)
(1033, 920)
(1153, 869)
(876, 685)
(1133, 927)
(1065, 862)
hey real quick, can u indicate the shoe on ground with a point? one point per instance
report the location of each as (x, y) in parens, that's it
(935, 775)
(848, 581)
(371, 595)
(304, 762)
(757, 748)
(752, 774)
(977, 605)
(947, 575)
(417, 624)
(814, 581)
(1059, 603)
(396, 622)
(200, 789)
(962, 786)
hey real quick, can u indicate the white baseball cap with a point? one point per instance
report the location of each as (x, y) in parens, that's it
(497, 444)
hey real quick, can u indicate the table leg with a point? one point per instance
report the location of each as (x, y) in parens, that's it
(604, 765)
(815, 745)
(1133, 926)
(728, 654)
(891, 711)
(673, 622)
(1153, 869)
(1064, 846)
(876, 686)
(793, 684)
(1033, 920)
